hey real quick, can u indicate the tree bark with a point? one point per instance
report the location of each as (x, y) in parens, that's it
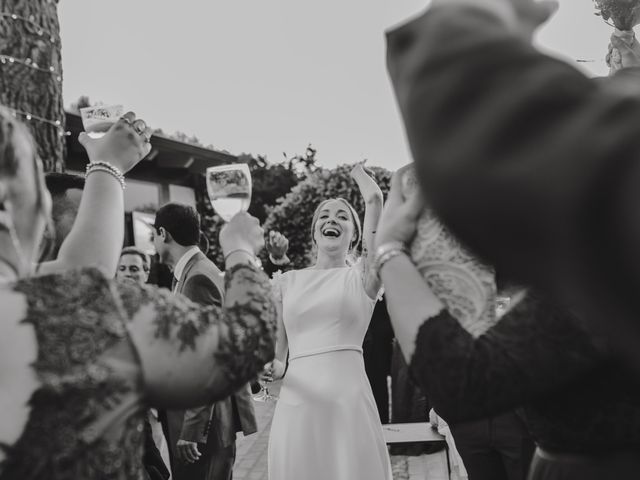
(34, 37)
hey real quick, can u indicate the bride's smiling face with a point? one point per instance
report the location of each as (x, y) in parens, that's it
(334, 228)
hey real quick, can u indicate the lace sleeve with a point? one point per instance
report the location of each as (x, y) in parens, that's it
(192, 354)
(534, 349)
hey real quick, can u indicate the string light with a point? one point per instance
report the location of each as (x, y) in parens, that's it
(31, 64)
(32, 117)
(41, 32)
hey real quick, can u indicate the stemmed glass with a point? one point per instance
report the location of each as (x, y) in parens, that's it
(265, 379)
(229, 189)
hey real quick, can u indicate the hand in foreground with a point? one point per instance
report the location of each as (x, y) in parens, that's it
(242, 232)
(400, 216)
(187, 452)
(123, 146)
(368, 187)
(277, 246)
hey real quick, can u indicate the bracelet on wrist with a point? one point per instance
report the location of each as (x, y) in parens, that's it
(386, 252)
(279, 261)
(106, 167)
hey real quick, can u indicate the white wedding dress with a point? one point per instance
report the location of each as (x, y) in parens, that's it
(326, 424)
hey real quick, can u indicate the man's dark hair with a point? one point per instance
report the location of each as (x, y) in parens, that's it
(59, 183)
(181, 221)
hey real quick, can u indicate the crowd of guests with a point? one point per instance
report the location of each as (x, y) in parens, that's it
(528, 162)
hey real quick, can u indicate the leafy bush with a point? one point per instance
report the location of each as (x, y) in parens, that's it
(293, 214)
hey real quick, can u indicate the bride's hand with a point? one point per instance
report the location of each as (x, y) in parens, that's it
(368, 187)
(400, 216)
(277, 369)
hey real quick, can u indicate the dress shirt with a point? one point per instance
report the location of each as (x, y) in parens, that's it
(180, 264)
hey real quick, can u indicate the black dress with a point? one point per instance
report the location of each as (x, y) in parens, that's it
(576, 398)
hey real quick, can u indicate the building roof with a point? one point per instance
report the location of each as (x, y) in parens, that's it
(170, 161)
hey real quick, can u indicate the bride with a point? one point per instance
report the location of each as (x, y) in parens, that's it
(326, 423)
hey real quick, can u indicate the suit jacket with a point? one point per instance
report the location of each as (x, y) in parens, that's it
(533, 165)
(202, 282)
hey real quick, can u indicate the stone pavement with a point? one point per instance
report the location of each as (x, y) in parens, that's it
(251, 456)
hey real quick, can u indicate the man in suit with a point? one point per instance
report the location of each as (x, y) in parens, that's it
(134, 266)
(66, 192)
(201, 440)
(528, 161)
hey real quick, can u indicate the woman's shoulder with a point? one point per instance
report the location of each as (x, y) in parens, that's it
(64, 288)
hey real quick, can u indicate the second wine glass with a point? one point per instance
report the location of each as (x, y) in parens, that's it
(229, 189)
(264, 395)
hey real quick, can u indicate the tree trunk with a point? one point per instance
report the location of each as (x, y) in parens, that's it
(31, 73)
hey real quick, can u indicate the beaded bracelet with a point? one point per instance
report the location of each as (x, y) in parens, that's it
(107, 168)
(386, 252)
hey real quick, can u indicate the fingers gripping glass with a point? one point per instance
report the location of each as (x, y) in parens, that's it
(229, 189)
(265, 379)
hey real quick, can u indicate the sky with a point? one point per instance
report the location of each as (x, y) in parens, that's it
(268, 76)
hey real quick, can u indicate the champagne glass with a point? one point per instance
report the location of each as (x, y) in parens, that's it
(263, 395)
(229, 189)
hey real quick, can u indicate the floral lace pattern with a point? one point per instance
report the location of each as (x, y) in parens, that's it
(86, 420)
(457, 278)
(242, 353)
(576, 398)
(246, 328)
(75, 323)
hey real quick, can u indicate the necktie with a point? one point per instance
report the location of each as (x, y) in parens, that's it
(174, 282)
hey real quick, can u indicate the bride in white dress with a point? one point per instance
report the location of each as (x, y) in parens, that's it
(326, 424)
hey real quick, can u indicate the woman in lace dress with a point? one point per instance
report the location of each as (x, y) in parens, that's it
(81, 358)
(326, 423)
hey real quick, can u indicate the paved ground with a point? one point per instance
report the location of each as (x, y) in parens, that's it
(251, 457)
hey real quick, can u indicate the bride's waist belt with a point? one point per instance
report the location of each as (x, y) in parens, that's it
(321, 350)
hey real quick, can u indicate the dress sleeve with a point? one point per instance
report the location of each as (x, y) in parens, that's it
(277, 286)
(534, 349)
(191, 354)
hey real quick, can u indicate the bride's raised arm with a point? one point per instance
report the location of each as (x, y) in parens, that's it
(374, 201)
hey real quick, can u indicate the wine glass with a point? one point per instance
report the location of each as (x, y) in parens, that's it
(229, 189)
(263, 395)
